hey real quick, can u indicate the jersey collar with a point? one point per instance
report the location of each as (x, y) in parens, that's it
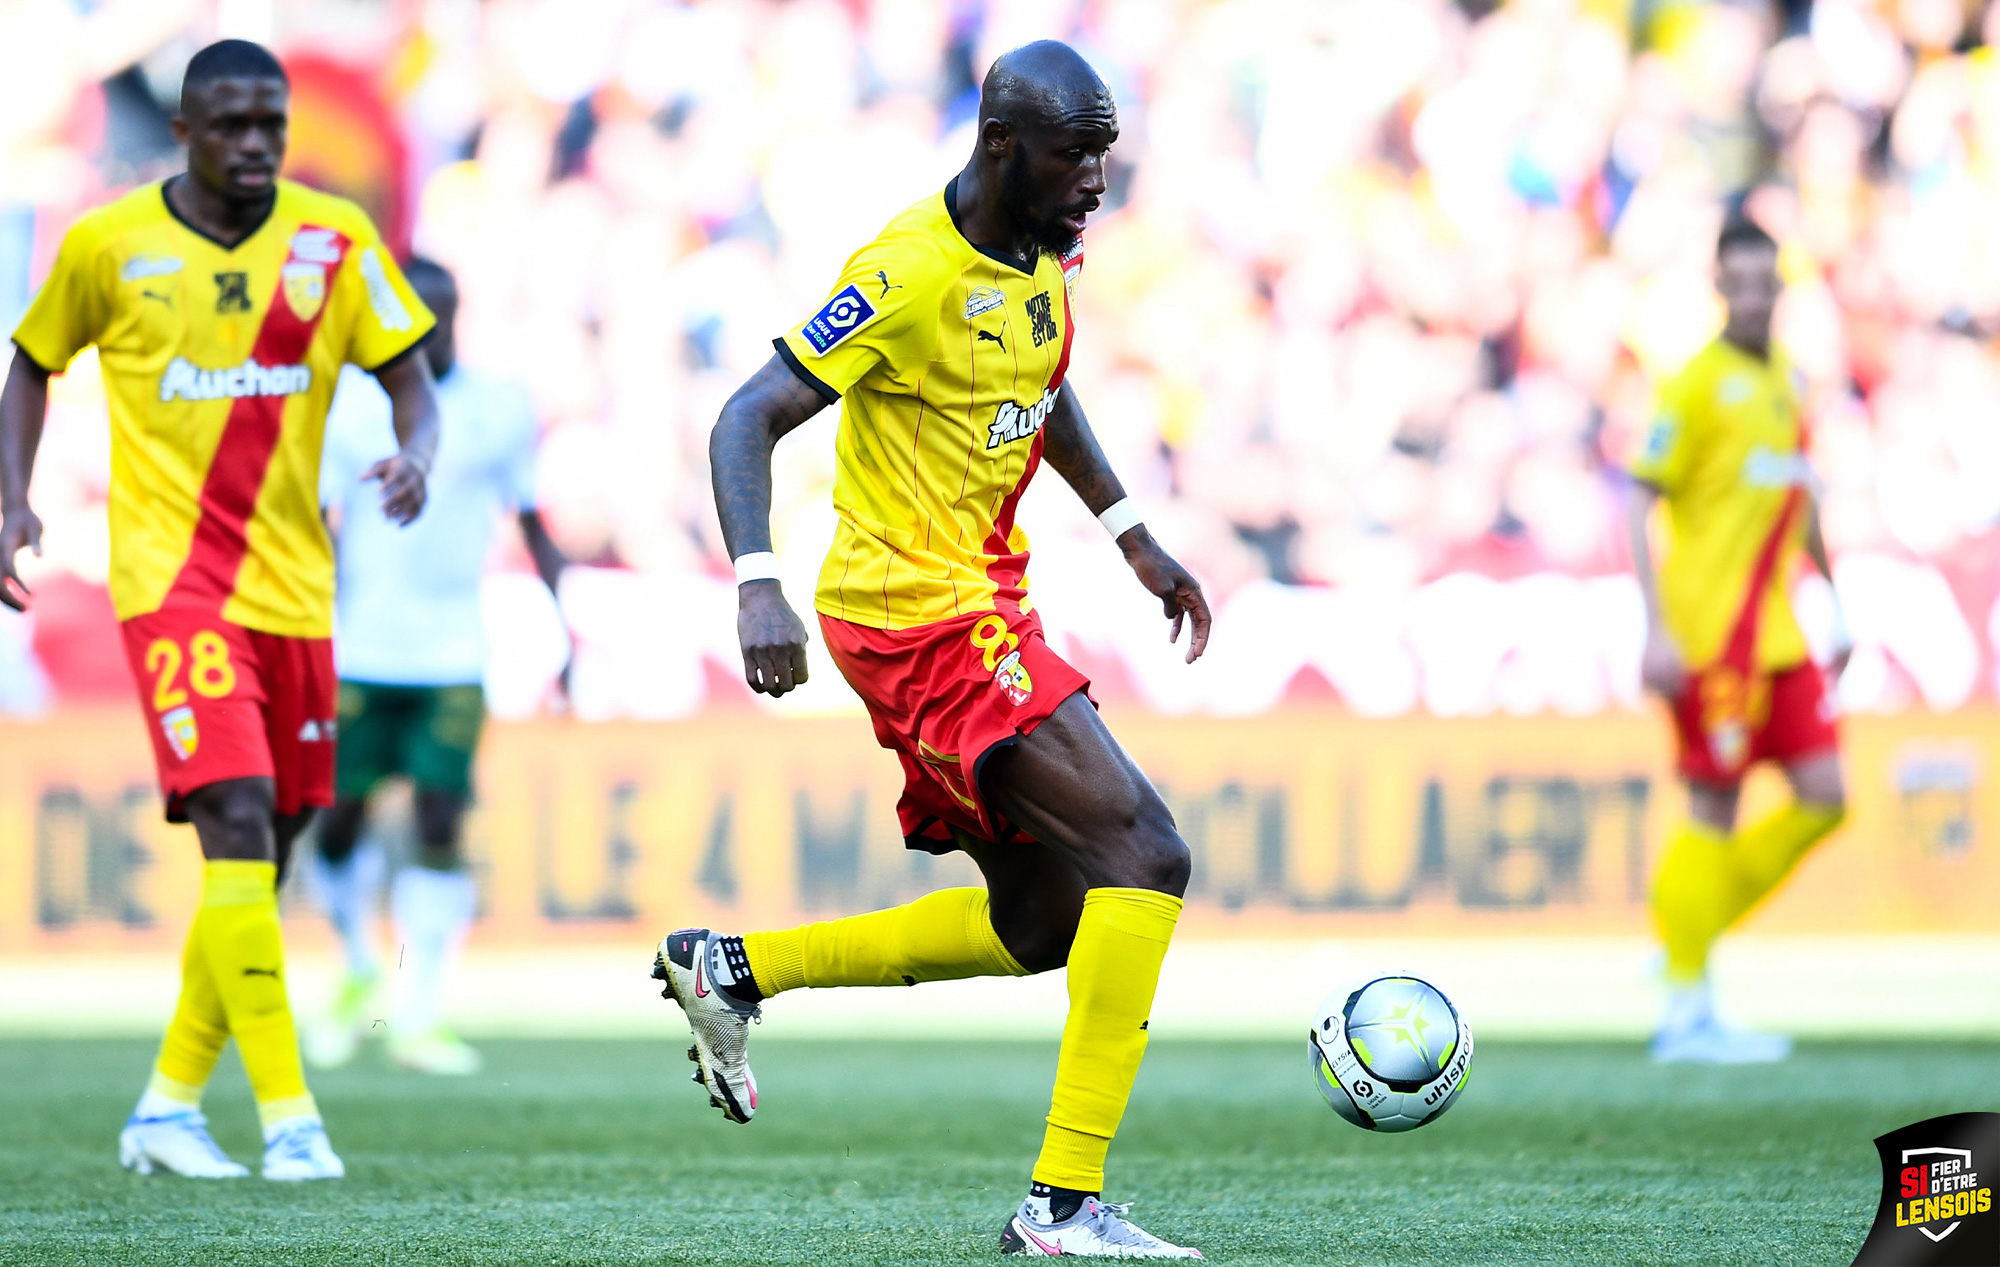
(1011, 260)
(203, 234)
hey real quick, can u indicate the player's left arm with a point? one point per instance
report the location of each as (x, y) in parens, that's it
(1843, 639)
(1069, 446)
(549, 564)
(414, 413)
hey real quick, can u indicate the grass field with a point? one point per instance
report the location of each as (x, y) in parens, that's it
(601, 1152)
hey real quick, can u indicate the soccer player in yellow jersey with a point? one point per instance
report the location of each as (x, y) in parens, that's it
(946, 340)
(222, 304)
(1726, 455)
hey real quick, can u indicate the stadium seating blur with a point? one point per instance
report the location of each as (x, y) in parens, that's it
(1372, 322)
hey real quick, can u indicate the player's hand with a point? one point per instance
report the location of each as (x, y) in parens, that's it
(773, 638)
(403, 487)
(1661, 668)
(1179, 593)
(20, 529)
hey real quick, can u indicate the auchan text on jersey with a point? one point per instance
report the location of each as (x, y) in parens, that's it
(189, 382)
(1017, 422)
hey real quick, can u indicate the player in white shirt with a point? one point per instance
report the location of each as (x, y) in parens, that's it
(410, 647)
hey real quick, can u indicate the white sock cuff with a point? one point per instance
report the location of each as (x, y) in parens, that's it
(426, 900)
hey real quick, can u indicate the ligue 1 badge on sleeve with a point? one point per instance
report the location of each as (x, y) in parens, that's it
(1937, 1195)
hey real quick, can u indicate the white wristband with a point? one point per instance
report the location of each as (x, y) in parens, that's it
(1120, 518)
(759, 566)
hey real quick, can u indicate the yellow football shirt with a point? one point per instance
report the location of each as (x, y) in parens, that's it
(219, 364)
(946, 359)
(1726, 450)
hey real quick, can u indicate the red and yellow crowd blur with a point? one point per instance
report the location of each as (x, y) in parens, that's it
(1375, 317)
(1378, 314)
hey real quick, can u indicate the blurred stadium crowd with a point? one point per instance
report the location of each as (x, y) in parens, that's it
(1378, 310)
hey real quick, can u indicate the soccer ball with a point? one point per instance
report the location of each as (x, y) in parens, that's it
(1391, 1055)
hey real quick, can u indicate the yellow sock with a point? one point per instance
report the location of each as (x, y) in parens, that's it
(1765, 854)
(239, 932)
(1694, 898)
(195, 1036)
(942, 936)
(1114, 967)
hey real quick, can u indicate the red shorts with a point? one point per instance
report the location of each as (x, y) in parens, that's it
(225, 702)
(1726, 724)
(943, 697)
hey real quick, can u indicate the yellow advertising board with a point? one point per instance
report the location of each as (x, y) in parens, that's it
(1302, 823)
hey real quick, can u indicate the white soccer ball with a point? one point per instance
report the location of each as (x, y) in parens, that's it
(1390, 1055)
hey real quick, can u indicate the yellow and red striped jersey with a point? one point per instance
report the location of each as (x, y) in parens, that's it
(1727, 452)
(219, 363)
(946, 358)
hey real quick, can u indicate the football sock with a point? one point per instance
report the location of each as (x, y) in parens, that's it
(433, 911)
(348, 888)
(238, 928)
(1055, 1205)
(194, 1036)
(1765, 853)
(1694, 898)
(1114, 968)
(942, 936)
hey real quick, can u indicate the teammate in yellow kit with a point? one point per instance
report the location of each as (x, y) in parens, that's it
(947, 340)
(222, 304)
(1727, 456)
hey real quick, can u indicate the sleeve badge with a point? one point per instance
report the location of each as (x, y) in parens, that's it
(843, 314)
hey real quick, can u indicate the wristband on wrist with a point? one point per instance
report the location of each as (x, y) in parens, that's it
(760, 565)
(1120, 518)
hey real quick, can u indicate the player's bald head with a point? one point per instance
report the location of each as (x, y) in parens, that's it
(1045, 84)
(1046, 122)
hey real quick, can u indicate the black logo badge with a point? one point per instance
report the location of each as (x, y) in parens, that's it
(887, 285)
(232, 292)
(990, 337)
(1041, 319)
(1937, 1194)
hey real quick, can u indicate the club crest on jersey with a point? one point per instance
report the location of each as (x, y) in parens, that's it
(1013, 680)
(182, 736)
(305, 288)
(1017, 422)
(982, 299)
(845, 313)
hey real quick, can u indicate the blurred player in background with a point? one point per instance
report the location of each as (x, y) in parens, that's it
(1726, 455)
(949, 338)
(223, 303)
(410, 643)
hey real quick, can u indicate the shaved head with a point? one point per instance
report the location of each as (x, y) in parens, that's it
(1044, 83)
(1046, 122)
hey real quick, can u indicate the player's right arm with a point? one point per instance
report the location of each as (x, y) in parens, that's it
(1659, 470)
(766, 408)
(24, 403)
(1660, 666)
(67, 316)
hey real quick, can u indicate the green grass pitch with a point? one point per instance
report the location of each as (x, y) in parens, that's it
(602, 1152)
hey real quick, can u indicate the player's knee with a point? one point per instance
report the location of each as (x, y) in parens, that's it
(234, 820)
(1157, 857)
(439, 815)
